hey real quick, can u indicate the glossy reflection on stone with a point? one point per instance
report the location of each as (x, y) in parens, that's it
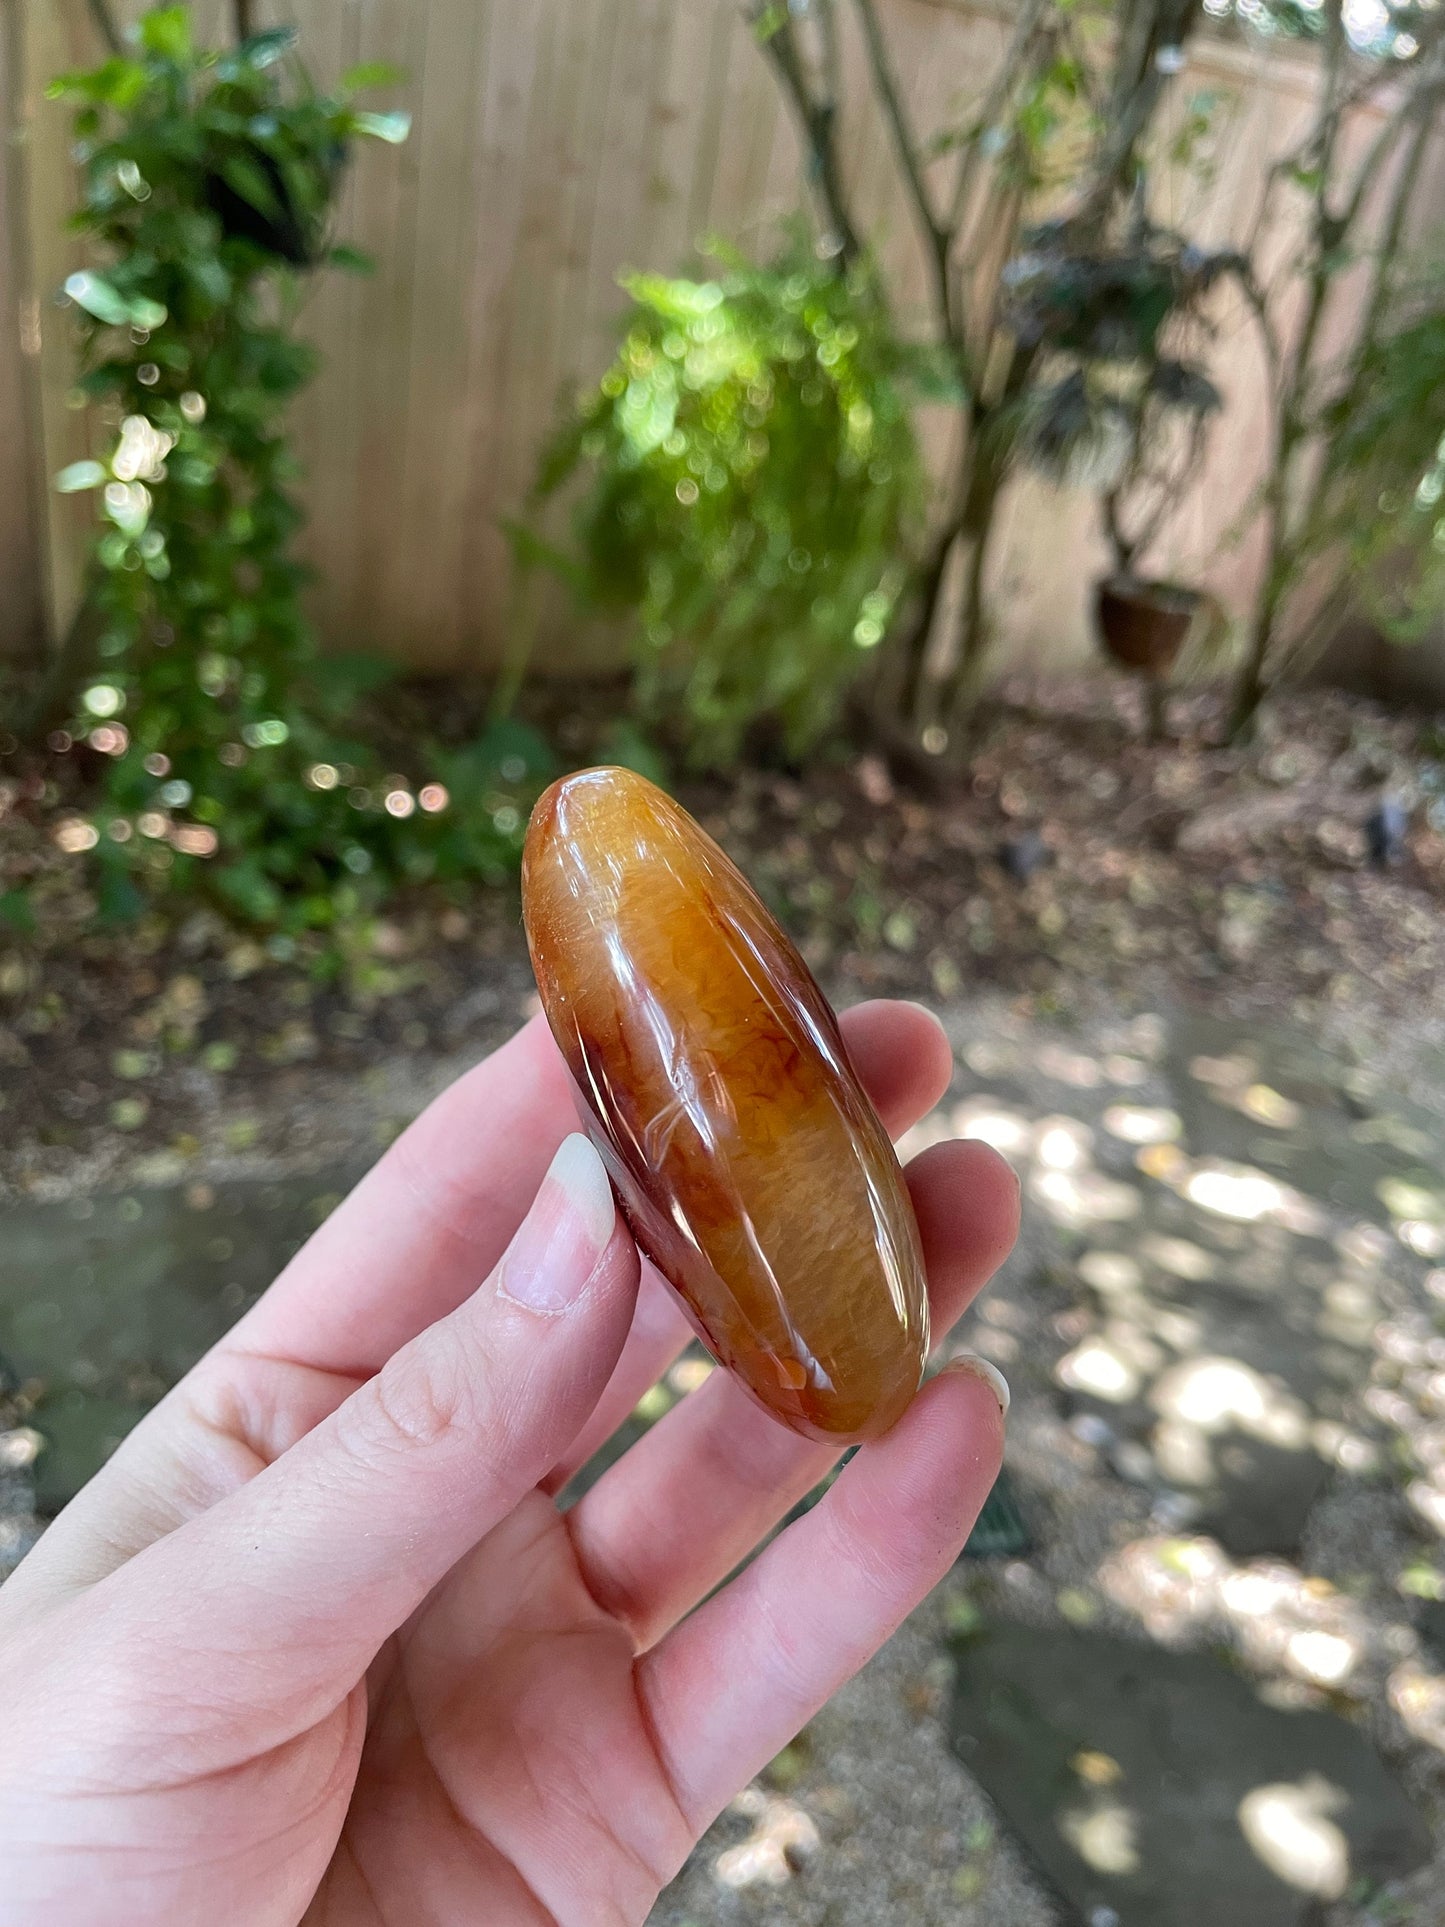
(751, 1164)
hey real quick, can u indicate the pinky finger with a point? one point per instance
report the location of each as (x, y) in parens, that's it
(730, 1686)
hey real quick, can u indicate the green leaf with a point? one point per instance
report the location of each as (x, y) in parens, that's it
(118, 899)
(244, 177)
(15, 910)
(673, 297)
(78, 476)
(166, 33)
(95, 294)
(351, 260)
(265, 49)
(145, 313)
(246, 885)
(393, 127)
(371, 73)
(100, 298)
(117, 83)
(210, 276)
(769, 20)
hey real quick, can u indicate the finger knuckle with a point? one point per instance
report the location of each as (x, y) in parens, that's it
(420, 1401)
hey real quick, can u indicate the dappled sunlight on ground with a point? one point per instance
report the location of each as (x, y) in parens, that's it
(1290, 1829)
(1281, 1621)
(1224, 1328)
(1220, 1328)
(782, 1842)
(1418, 1696)
(1246, 1259)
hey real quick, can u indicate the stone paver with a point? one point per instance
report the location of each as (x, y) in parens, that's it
(1158, 1789)
(107, 1301)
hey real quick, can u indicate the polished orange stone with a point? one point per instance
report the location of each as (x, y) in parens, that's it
(712, 1078)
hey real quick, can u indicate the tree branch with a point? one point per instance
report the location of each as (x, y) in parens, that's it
(816, 118)
(1258, 303)
(992, 105)
(1293, 523)
(906, 148)
(1425, 96)
(1376, 310)
(104, 20)
(1392, 231)
(1138, 83)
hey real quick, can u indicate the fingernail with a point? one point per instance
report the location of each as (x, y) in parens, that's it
(976, 1367)
(912, 1003)
(568, 1228)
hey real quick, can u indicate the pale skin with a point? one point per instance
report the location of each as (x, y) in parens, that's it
(318, 1645)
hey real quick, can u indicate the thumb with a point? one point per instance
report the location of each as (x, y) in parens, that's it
(325, 1553)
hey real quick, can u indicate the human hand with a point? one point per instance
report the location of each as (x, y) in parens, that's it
(317, 1643)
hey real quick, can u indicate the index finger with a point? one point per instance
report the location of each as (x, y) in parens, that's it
(427, 1222)
(431, 1219)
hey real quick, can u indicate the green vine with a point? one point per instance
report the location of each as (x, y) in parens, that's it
(226, 754)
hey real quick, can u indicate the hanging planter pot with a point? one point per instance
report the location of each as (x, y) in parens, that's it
(257, 201)
(1144, 625)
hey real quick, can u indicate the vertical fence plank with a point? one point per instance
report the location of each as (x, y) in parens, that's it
(22, 600)
(58, 36)
(516, 64)
(427, 531)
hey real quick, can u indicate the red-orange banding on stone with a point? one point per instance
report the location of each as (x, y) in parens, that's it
(713, 1079)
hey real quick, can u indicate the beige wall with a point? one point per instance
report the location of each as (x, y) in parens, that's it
(555, 144)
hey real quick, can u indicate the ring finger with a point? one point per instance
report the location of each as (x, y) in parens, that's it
(717, 1474)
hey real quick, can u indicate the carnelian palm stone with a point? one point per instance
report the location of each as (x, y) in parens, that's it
(714, 1082)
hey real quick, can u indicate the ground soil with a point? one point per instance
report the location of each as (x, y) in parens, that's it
(1072, 865)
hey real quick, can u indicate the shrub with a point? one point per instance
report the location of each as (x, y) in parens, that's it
(751, 488)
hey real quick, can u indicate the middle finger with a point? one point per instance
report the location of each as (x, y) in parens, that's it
(716, 1474)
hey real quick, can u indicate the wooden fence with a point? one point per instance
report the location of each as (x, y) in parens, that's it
(555, 144)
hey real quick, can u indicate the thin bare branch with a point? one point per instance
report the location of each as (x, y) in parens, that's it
(1392, 231)
(1139, 81)
(1375, 316)
(1257, 301)
(1427, 93)
(816, 117)
(105, 25)
(905, 146)
(990, 108)
(1170, 485)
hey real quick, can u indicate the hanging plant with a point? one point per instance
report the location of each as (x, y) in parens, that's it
(226, 754)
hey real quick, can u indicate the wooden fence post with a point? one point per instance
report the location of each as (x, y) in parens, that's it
(23, 615)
